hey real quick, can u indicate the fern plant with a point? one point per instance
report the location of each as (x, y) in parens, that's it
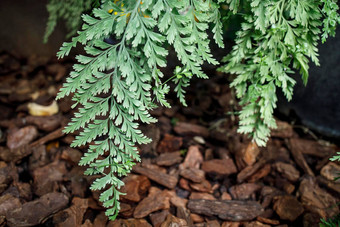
(115, 85)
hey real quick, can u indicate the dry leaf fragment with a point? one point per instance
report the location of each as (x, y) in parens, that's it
(39, 110)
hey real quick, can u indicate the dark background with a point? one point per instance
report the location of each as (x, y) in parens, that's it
(22, 26)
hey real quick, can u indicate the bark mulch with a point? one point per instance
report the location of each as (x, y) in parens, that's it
(197, 171)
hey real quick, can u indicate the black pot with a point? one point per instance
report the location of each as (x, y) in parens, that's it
(318, 104)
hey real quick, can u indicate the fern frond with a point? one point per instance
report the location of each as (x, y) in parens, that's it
(276, 38)
(112, 84)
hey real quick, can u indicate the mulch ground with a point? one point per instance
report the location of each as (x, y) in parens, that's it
(197, 171)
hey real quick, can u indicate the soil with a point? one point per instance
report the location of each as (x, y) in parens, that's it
(198, 171)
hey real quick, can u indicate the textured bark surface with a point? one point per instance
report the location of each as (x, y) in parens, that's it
(227, 210)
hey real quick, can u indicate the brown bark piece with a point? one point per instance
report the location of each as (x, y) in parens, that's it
(36, 212)
(283, 130)
(48, 123)
(129, 223)
(8, 203)
(297, 149)
(244, 191)
(231, 224)
(161, 178)
(74, 214)
(152, 132)
(268, 221)
(227, 210)
(193, 159)
(331, 171)
(267, 194)
(196, 218)
(311, 220)
(21, 137)
(185, 214)
(87, 223)
(100, 220)
(189, 129)
(51, 136)
(213, 223)
(176, 200)
(158, 218)
(174, 221)
(169, 159)
(314, 148)
(316, 199)
(200, 195)
(255, 224)
(263, 172)
(24, 189)
(193, 174)
(250, 170)
(329, 184)
(5, 179)
(204, 186)
(288, 171)
(169, 143)
(219, 166)
(78, 181)
(247, 155)
(184, 184)
(135, 187)
(59, 71)
(226, 196)
(288, 207)
(156, 200)
(71, 155)
(46, 178)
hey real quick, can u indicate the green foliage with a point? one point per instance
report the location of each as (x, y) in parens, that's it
(68, 10)
(276, 38)
(115, 85)
(336, 157)
(331, 222)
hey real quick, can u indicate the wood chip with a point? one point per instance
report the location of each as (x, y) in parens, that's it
(161, 178)
(27, 215)
(331, 171)
(158, 218)
(169, 159)
(283, 130)
(227, 210)
(263, 172)
(201, 195)
(247, 155)
(288, 207)
(74, 214)
(174, 221)
(169, 143)
(156, 200)
(47, 177)
(183, 128)
(129, 222)
(193, 159)
(296, 150)
(135, 187)
(317, 200)
(219, 166)
(287, 170)
(185, 214)
(204, 186)
(193, 174)
(250, 170)
(329, 184)
(243, 191)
